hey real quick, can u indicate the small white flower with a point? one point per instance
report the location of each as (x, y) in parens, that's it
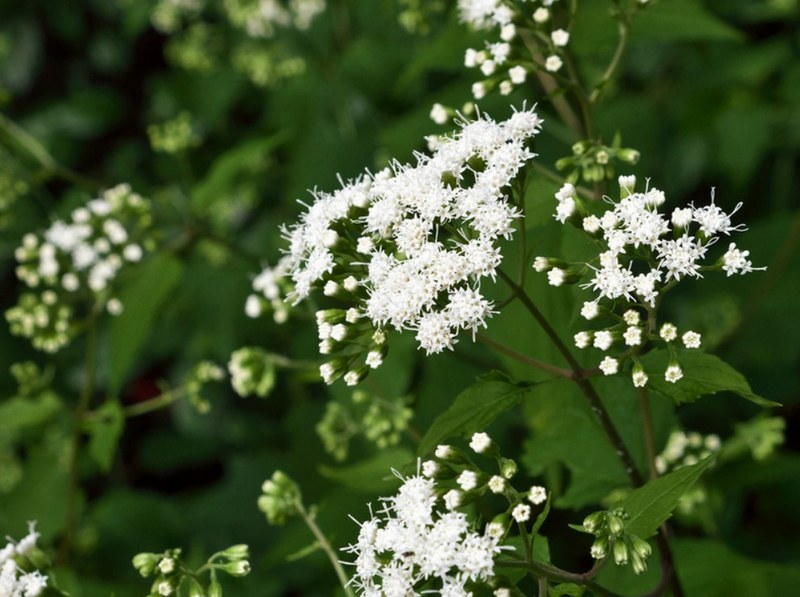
(488, 67)
(521, 512)
(556, 276)
(627, 183)
(590, 310)
(631, 317)
(430, 468)
(517, 74)
(633, 336)
(603, 340)
(452, 499)
(505, 87)
(541, 15)
(374, 359)
(682, 217)
(497, 484)
(668, 332)
(537, 495)
(480, 442)
(114, 306)
(591, 224)
(166, 565)
(673, 373)
(583, 339)
(541, 264)
(439, 114)
(560, 37)
(470, 60)
(609, 366)
(467, 480)
(553, 63)
(508, 32)
(351, 378)
(639, 378)
(691, 339)
(479, 90)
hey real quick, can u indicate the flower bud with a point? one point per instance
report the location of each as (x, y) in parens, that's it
(145, 563)
(640, 546)
(508, 468)
(195, 589)
(238, 568)
(594, 521)
(236, 552)
(450, 454)
(214, 588)
(615, 525)
(620, 553)
(599, 548)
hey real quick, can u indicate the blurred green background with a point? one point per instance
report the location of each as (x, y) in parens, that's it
(709, 93)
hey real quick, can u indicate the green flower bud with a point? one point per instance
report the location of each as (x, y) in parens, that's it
(630, 156)
(599, 548)
(620, 553)
(594, 521)
(252, 372)
(145, 563)
(238, 568)
(638, 564)
(280, 499)
(508, 468)
(615, 525)
(195, 589)
(236, 552)
(214, 588)
(640, 546)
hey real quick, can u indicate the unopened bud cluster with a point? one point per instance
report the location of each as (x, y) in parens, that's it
(252, 371)
(199, 376)
(380, 420)
(643, 255)
(594, 161)
(608, 527)
(172, 576)
(280, 499)
(70, 267)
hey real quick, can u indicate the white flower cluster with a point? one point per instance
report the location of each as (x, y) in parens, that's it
(410, 542)
(14, 581)
(686, 449)
(260, 18)
(643, 254)
(406, 248)
(506, 63)
(75, 259)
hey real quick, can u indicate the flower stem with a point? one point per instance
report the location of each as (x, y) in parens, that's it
(649, 439)
(325, 545)
(583, 383)
(525, 359)
(87, 390)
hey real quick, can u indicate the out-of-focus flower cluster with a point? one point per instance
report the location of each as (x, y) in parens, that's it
(247, 33)
(71, 266)
(405, 248)
(378, 419)
(18, 574)
(643, 254)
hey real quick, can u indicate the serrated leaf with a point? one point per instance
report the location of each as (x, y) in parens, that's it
(650, 505)
(141, 297)
(474, 408)
(702, 374)
(104, 433)
(369, 475)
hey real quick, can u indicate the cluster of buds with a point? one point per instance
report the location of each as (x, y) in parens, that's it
(454, 467)
(73, 264)
(643, 254)
(378, 419)
(199, 376)
(174, 577)
(281, 498)
(593, 161)
(608, 527)
(252, 371)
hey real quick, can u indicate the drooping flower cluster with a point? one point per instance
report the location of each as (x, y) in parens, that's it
(75, 261)
(410, 541)
(406, 248)
(643, 255)
(17, 576)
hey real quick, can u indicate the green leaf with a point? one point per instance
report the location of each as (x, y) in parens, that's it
(142, 297)
(681, 20)
(650, 505)
(18, 413)
(369, 475)
(712, 569)
(474, 408)
(702, 374)
(569, 589)
(104, 433)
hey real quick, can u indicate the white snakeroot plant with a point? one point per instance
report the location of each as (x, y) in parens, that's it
(413, 243)
(14, 580)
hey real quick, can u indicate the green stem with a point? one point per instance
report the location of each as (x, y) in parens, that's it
(649, 439)
(583, 383)
(525, 359)
(148, 406)
(541, 569)
(14, 135)
(87, 390)
(325, 545)
(622, 42)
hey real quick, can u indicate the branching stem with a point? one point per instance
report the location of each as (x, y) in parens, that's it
(323, 542)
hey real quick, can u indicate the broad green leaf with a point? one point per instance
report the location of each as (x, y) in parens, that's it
(104, 433)
(675, 20)
(650, 505)
(702, 374)
(371, 474)
(474, 408)
(142, 297)
(711, 569)
(18, 413)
